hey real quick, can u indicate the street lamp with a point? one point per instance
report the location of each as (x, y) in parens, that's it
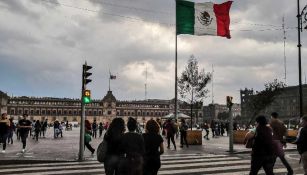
(300, 22)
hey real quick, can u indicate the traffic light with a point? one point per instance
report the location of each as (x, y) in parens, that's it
(229, 101)
(86, 74)
(87, 97)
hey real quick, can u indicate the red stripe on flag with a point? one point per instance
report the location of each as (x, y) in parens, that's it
(222, 18)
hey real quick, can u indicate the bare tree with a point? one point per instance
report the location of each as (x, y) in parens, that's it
(192, 84)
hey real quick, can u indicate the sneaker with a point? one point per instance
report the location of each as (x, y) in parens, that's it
(23, 150)
(3, 151)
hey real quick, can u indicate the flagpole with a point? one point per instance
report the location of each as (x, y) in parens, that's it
(109, 80)
(175, 62)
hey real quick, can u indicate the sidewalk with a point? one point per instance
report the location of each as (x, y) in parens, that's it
(67, 148)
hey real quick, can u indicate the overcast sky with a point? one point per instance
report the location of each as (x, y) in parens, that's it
(43, 44)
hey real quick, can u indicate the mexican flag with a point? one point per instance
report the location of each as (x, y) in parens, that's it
(203, 18)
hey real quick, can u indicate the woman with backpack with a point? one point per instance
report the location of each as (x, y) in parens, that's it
(113, 138)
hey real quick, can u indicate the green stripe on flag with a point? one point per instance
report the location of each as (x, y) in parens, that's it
(184, 17)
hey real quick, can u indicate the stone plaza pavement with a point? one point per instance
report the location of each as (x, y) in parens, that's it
(66, 148)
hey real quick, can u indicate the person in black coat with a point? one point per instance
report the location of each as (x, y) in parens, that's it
(113, 138)
(302, 142)
(262, 148)
(153, 148)
(132, 150)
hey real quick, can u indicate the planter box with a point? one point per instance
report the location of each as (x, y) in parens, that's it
(239, 135)
(194, 137)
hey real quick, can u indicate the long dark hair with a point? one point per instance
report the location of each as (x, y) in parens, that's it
(116, 128)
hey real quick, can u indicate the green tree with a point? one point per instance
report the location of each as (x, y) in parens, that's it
(192, 84)
(259, 101)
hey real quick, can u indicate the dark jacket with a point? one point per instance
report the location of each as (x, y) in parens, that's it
(132, 144)
(263, 143)
(302, 141)
(113, 143)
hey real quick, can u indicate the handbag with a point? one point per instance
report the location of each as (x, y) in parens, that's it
(102, 151)
(87, 138)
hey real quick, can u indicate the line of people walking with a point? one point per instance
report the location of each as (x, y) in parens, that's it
(132, 153)
(267, 141)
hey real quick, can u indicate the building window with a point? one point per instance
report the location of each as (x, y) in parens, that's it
(54, 112)
(12, 111)
(69, 112)
(109, 112)
(59, 112)
(65, 113)
(95, 112)
(48, 112)
(99, 112)
(37, 112)
(89, 112)
(43, 112)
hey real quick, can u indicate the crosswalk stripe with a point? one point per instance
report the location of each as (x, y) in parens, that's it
(278, 170)
(201, 160)
(171, 164)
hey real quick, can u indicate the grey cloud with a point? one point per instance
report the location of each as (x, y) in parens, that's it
(19, 7)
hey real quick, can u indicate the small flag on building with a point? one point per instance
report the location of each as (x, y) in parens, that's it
(203, 18)
(112, 77)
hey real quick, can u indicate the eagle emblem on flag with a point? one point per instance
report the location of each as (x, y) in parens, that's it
(204, 18)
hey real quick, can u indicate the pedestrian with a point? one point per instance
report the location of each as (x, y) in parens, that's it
(279, 132)
(176, 127)
(32, 132)
(94, 129)
(4, 129)
(100, 128)
(67, 126)
(262, 150)
(301, 142)
(37, 129)
(24, 126)
(113, 138)
(57, 129)
(170, 132)
(44, 127)
(11, 131)
(87, 136)
(206, 128)
(153, 148)
(132, 149)
(183, 133)
(212, 125)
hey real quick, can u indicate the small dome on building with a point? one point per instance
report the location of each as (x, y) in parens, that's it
(109, 97)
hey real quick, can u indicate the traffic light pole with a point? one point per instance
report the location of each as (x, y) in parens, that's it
(230, 127)
(82, 130)
(230, 130)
